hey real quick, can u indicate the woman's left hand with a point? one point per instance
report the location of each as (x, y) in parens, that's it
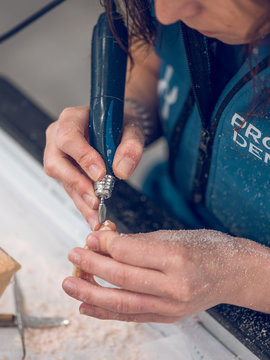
(163, 276)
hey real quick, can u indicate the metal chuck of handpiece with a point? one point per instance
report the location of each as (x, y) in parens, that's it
(108, 73)
(103, 190)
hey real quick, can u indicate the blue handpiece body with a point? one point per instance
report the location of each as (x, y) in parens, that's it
(108, 74)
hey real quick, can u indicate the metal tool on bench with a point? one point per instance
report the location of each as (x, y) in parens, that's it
(108, 73)
(21, 321)
(11, 320)
(19, 311)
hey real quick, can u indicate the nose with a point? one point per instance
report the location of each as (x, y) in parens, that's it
(170, 11)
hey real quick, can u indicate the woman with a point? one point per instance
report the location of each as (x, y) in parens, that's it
(212, 97)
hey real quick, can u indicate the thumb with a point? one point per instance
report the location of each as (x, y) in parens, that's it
(130, 150)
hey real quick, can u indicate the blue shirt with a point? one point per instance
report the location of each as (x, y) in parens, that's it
(225, 157)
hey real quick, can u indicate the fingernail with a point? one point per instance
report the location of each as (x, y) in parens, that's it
(85, 310)
(93, 243)
(94, 172)
(70, 287)
(74, 257)
(94, 224)
(90, 200)
(82, 311)
(126, 166)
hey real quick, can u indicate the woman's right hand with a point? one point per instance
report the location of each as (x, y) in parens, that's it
(70, 159)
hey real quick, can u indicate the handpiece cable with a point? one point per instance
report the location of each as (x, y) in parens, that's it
(30, 20)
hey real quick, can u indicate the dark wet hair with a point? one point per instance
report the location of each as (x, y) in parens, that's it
(137, 16)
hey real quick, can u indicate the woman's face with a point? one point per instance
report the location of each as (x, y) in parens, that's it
(231, 21)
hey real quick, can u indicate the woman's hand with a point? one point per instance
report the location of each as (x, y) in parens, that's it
(167, 275)
(70, 159)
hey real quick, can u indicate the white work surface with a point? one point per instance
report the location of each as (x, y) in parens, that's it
(39, 225)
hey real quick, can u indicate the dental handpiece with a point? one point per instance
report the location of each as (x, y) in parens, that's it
(108, 74)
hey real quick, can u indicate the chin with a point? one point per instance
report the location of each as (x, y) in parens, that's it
(233, 41)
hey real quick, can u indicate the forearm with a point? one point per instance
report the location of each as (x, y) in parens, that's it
(141, 91)
(142, 76)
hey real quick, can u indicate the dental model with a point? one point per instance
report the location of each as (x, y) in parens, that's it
(107, 225)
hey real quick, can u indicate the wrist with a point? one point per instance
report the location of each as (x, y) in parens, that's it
(251, 276)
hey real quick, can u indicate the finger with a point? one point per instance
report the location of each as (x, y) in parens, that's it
(127, 277)
(120, 301)
(129, 152)
(99, 313)
(139, 250)
(71, 139)
(57, 166)
(90, 215)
